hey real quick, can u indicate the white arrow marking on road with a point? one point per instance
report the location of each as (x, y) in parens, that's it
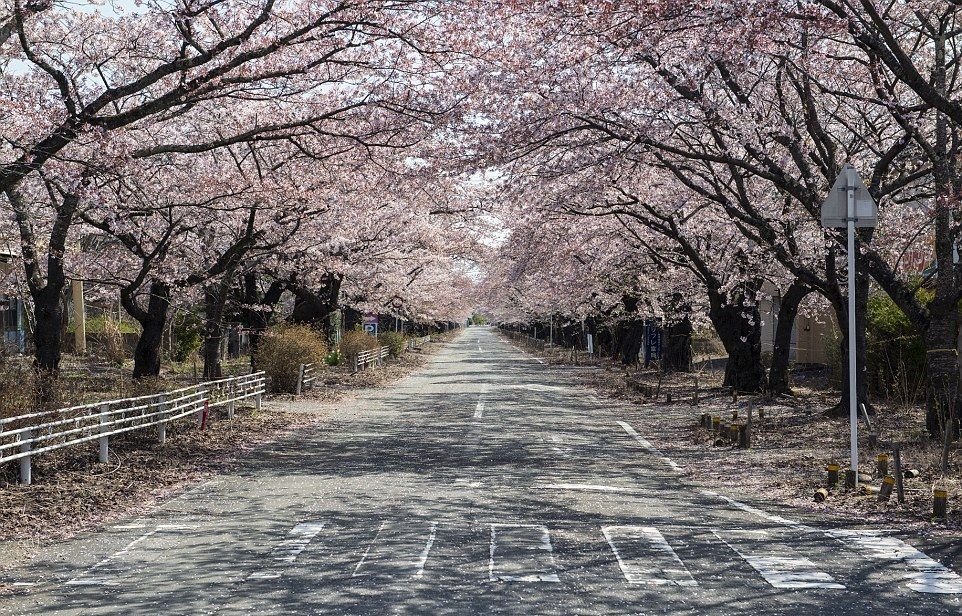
(642, 548)
(297, 540)
(785, 572)
(929, 575)
(479, 409)
(523, 554)
(650, 448)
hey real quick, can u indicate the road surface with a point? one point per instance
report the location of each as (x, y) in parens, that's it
(484, 484)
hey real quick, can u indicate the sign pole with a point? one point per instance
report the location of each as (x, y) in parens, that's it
(852, 372)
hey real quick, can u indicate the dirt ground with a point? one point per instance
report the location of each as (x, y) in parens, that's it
(791, 445)
(73, 492)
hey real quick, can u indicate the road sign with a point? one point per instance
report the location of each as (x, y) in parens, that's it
(370, 324)
(835, 209)
(850, 205)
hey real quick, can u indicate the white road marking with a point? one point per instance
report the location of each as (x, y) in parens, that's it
(368, 550)
(479, 409)
(783, 572)
(479, 348)
(86, 579)
(927, 575)
(758, 512)
(650, 448)
(422, 561)
(129, 526)
(25, 583)
(524, 554)
(643, 548)
(588, 487)
(297, 540)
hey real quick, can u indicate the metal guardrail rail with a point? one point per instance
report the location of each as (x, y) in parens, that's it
(306, 377)
(31, 434)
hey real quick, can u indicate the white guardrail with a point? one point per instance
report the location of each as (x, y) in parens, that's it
(25, 436)
(371, 358)
(416, 343)
(306, 377)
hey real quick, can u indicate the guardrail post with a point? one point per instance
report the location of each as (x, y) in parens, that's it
(26, 476)
(355, 363)
(162, 426)
(204, 389)
(230, 401)
(257, 396)
(104, 444)
(300, 380)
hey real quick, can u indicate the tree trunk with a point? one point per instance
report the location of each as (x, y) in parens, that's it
(215, 298)
(677, 352)
(48, 328)
(942, 370)
(782, 348)
(153, 320)
(257, 310)
(315, 307)
(739, 327)
(632, 339)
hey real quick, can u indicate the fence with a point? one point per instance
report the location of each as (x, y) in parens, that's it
(417, 343)
(25, 436)
(526, 339)
(371, 358)
(306, 377)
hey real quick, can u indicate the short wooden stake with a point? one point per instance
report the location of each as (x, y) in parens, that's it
(715, 424)
(882, 464)
(668, 398)
(887, 484)
(899, 487)
(850, 479)
(695, 397)
(940, 503)
(734, 396)
(743, 440)
(832, 481)
(733, 433)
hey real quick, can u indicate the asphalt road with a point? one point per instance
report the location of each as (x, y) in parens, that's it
(484, 484)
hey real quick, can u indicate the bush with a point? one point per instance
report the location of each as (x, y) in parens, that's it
(188, 335)
(333, 358)
(394, 341)
(354, 342)
(895, 355)
(282, 351)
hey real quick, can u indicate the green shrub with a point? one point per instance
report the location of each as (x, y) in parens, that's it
(353, 342)
(333, 358)
(188, 335)
(283, 349)
(895, 355)
(394, 341)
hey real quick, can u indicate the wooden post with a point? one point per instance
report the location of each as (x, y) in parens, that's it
(940, 501)
(832, 475)
(899, 486)
(695, 398)
(850, 479)
(886, 491)
(748, 426)
(882, 464)
(946, 442)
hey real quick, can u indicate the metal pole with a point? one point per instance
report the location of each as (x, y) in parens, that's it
(300, 380)
(104, 445)
(230, 403)
(852, 373)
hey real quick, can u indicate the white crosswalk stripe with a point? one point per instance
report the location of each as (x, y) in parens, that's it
(521, 553)
(645, 557)
(780, 568)
(287, 552)
(925, 575)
